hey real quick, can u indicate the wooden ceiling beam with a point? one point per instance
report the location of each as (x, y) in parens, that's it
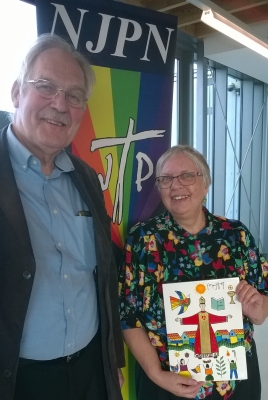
(189, 12)
(138, 3)
(236, 6)
(189, 17)
(163, 5)
(167, 5)
(198, 30)
(172, 7)
(203, 30)
(193, 15)
(190, 29)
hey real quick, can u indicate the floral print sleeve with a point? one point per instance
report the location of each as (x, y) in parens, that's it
(160, 251)
(131, 283)
(253, 267)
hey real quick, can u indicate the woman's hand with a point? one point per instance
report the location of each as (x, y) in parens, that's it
(178, 385)
(254, 305)
(140, 346)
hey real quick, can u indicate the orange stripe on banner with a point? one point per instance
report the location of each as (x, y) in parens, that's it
(83, 141)
(81, 148)
(74, 150)
(115, 238)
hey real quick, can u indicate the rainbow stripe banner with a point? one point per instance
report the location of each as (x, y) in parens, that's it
(127, 122)
(122, 128)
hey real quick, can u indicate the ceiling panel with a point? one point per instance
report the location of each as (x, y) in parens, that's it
(189, 16)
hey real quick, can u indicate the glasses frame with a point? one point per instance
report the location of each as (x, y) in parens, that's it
(59, 89)
(178, 177)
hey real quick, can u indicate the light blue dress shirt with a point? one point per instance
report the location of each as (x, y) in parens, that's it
(62, 316)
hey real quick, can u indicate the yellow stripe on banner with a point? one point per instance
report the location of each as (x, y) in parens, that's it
(101, 103)
(102, 116)
(125, 388)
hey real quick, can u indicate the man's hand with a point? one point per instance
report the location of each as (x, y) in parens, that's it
(121, 378)
(254, 305)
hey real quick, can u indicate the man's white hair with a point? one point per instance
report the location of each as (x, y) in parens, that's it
(48, 41)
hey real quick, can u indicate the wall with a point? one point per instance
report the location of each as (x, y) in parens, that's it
(226, 51)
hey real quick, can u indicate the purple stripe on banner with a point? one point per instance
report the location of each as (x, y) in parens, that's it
(154, 113)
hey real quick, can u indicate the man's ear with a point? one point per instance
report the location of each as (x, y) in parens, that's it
(15, 94)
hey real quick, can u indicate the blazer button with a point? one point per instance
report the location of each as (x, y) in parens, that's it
(7, 373)
(26, 275)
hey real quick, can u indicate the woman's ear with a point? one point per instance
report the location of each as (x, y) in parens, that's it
(15, 94)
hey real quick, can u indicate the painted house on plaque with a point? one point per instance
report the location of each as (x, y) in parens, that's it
(191, 335)
(222, 334)
(174, 339)
(236, 335)
(185, 338)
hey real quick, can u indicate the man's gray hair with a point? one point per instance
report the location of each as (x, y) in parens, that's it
(192, 154)
(48, 41)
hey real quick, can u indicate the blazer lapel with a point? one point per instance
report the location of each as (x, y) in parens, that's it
(10, 202)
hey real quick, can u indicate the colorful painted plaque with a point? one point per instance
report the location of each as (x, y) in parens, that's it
(205, 330)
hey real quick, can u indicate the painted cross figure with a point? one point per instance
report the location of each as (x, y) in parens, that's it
(126, 142)
(205, 341)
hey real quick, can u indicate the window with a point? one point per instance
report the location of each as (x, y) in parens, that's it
(224, 115)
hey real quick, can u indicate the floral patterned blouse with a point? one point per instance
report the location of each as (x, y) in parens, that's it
(160, 251)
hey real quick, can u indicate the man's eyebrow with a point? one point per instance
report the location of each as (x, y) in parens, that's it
(43, 78)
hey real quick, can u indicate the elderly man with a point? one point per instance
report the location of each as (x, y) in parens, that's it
(59, 326)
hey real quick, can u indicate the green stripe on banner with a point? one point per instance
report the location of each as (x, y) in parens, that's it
(125, 388)
(128, 389)
(125, 88)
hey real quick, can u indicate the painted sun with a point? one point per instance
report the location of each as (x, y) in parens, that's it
(200, 288)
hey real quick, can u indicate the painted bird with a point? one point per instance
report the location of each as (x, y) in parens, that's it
(197, 369)
(183, 301)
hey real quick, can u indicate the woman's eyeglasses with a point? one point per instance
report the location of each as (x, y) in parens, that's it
(185, 179)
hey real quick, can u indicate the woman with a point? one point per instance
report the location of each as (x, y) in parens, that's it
(161, 250)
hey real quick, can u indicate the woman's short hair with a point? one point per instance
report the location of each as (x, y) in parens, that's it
(48, 41)
(192, 154)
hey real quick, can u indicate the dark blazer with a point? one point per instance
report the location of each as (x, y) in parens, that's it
(17, 270)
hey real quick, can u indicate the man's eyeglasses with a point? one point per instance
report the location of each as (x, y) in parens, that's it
(48, 90)
(185, 179)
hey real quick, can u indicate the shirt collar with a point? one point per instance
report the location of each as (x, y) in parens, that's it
(16, 150)
(22, 155)
(63, 162)
(171, 223)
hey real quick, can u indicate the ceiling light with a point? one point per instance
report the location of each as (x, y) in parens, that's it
(235, 32)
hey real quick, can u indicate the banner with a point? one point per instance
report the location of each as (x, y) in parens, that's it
(127, 123)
